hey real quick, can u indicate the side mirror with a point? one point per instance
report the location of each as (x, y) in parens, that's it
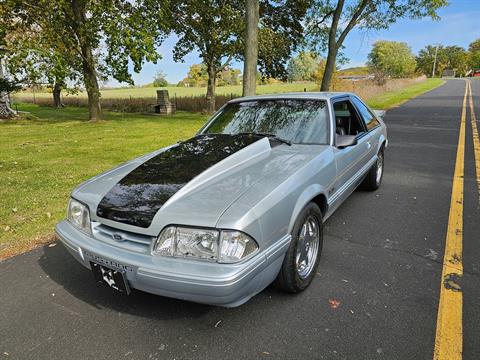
(343, 141)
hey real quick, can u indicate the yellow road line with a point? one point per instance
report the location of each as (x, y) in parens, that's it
(449, 334)
(476, 141)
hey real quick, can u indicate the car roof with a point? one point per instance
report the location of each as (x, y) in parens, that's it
(320, 95)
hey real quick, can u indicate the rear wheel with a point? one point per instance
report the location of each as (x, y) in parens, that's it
(374, 177)
(301, 261)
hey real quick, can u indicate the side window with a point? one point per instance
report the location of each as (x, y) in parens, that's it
(346, 119)
(370, 120)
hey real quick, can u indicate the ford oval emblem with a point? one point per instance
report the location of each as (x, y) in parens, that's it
(117, 237)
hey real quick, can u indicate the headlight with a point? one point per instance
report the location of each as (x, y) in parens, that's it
(235, 246)
(209, 244)
(79, 216)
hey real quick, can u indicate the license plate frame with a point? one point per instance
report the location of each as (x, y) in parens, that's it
(113, 278)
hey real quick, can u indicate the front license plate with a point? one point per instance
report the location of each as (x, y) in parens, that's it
(113, 278)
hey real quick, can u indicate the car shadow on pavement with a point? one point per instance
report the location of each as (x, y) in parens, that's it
(64, 270)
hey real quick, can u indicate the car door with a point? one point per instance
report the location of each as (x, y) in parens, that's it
(351, 160)
(371, 124)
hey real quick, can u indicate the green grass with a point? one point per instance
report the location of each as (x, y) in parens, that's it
(185, 91)
(394, 98)
(43, 159)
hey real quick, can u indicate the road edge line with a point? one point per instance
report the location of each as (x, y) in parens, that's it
(449, 331)
(476, 140)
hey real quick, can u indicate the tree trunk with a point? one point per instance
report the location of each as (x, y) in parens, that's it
(333, 47)
(251, 48)
(56, 92)
(88, 61)
(91, 84)
(329, 70)
(212, 74)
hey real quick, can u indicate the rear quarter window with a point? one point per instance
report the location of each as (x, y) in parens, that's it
(368, 118)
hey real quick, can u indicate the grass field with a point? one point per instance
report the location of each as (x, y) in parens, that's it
(139, 92)
(42, 160)
(44, 157)
(395, 98)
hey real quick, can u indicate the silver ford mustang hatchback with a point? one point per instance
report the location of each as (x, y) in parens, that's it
(217, 218)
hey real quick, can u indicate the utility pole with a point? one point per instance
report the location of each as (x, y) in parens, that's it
(435, 61)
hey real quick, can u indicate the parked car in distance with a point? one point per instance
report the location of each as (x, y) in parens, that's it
(217, 218)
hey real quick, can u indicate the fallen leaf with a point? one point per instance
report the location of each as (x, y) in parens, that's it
(14, 209)
(49, 215)
(52, 245)
(7, 228)
(334, 303)
(265, 353)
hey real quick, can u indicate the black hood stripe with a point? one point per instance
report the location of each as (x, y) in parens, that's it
(136, 198)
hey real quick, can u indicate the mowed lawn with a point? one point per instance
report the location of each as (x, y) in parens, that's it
(42, 160)
(44, 157)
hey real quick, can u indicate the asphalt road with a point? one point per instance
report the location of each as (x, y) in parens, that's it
(382, 262)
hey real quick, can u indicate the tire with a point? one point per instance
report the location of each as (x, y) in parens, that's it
(374, 177)
(295, 274)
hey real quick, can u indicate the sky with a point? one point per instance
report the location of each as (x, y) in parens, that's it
(459, 25)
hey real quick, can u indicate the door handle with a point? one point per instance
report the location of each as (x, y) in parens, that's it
(369, 145)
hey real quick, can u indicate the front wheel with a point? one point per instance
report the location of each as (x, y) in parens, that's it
(301, 260)
(374, 177)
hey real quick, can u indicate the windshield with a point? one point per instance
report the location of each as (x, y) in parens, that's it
(298, 121)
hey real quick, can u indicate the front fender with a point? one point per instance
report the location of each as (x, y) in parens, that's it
(307, 195)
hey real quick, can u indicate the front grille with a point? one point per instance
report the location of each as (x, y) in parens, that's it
(123, 239)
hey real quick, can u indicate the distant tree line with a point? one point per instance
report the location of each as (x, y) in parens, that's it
(391, 59)
(197, 76)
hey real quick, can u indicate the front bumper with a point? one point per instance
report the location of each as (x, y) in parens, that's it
(226, 285)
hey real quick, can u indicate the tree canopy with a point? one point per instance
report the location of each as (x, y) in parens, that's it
(448, 57)
(391, 59)
(304, 66)
(216, 29)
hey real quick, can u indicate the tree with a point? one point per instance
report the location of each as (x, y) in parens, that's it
(32, 61)
(449, 57)
(426, 58)
(105, 35)
(457, 59)
(474, 54)
(281, 32)
(229, 76)
(474, 60)
(474, 46)
(391, 59)
(216, 29)
(251, 47)
(160, 80)
(329, 22)
(304, 67)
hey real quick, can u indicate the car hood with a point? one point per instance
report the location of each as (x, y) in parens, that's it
(189, 183)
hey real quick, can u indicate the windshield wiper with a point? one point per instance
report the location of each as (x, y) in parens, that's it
(275, 137)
